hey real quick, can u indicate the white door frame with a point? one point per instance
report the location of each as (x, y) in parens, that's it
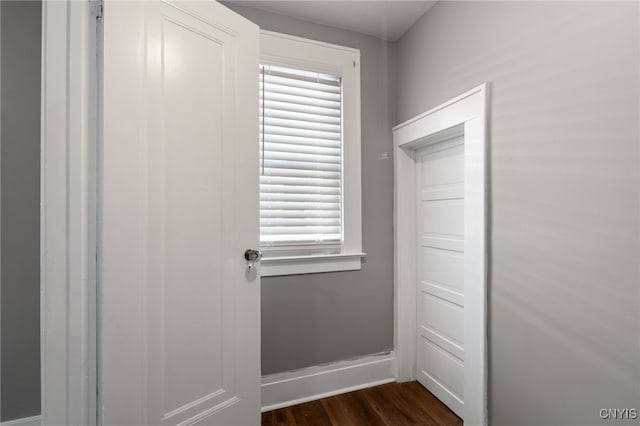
(464, 115)
(68, 215)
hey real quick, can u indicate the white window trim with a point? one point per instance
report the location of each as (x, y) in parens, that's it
(290, 51)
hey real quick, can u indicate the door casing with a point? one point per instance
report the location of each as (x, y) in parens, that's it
(68, 214)
(464, 115)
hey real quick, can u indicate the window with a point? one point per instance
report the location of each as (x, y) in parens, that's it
(309, 156)
(300, 158)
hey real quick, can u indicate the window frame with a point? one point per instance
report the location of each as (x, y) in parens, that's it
(296, 52)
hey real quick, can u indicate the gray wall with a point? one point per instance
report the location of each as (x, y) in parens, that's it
(20, 180)
(319, 318)
(564, 287)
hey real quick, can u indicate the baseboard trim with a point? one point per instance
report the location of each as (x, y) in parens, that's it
(309, 384)
(25, 421)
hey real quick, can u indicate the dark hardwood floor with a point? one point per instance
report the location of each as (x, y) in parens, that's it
(393, 404)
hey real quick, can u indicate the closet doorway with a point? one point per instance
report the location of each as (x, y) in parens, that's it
(441, 253)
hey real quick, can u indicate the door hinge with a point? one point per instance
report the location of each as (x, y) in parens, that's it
(97, 9)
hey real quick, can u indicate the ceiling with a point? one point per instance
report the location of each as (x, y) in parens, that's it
(387, 20)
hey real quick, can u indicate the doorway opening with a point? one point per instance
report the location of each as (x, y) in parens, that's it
(441, 252)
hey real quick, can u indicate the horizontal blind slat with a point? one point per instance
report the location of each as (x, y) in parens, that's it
(299, 181)
(301, 124)
(273, 105)
(301, 100)
(298, 91)
(297, 173)
(325, 79)
(316, 198)
(301, 165)
(290, 230)
(306, 205)
(285, 240)
(304, 221)
(299, 214)
(288, 81)
(301, 116)
(296, 140)
(301, 149)
(302, 157)
(299, 189)
(289, 131)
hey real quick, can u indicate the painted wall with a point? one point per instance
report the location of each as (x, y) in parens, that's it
(20, 188)
(565, 131)
(318, 318)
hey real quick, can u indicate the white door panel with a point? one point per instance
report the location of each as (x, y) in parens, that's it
(443, 242)
(443, 375)
(443, 167)
(185, 256)
(443, 217)
(443, 267)
(443, 317)
(180, 331)
(440, 214)
(442, 292)
(442, 342)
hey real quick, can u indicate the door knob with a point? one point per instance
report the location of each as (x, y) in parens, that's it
(252, 256)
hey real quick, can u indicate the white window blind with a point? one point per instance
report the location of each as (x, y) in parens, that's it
(300, 157)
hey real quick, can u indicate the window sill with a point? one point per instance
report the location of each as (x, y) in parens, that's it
(310, 264)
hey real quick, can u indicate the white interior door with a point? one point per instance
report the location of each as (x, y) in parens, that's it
(180, 331)
(440, 263)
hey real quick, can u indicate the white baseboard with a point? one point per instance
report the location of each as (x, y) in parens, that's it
(309, 384)
(25, 421)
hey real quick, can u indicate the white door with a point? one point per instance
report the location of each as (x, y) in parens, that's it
(180, 332)
(440, 262)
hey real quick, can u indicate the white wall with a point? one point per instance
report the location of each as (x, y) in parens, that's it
(565, 130)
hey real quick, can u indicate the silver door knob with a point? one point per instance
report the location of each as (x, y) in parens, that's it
(251, 255)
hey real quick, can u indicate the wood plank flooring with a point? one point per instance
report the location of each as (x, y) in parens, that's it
(392, 404)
